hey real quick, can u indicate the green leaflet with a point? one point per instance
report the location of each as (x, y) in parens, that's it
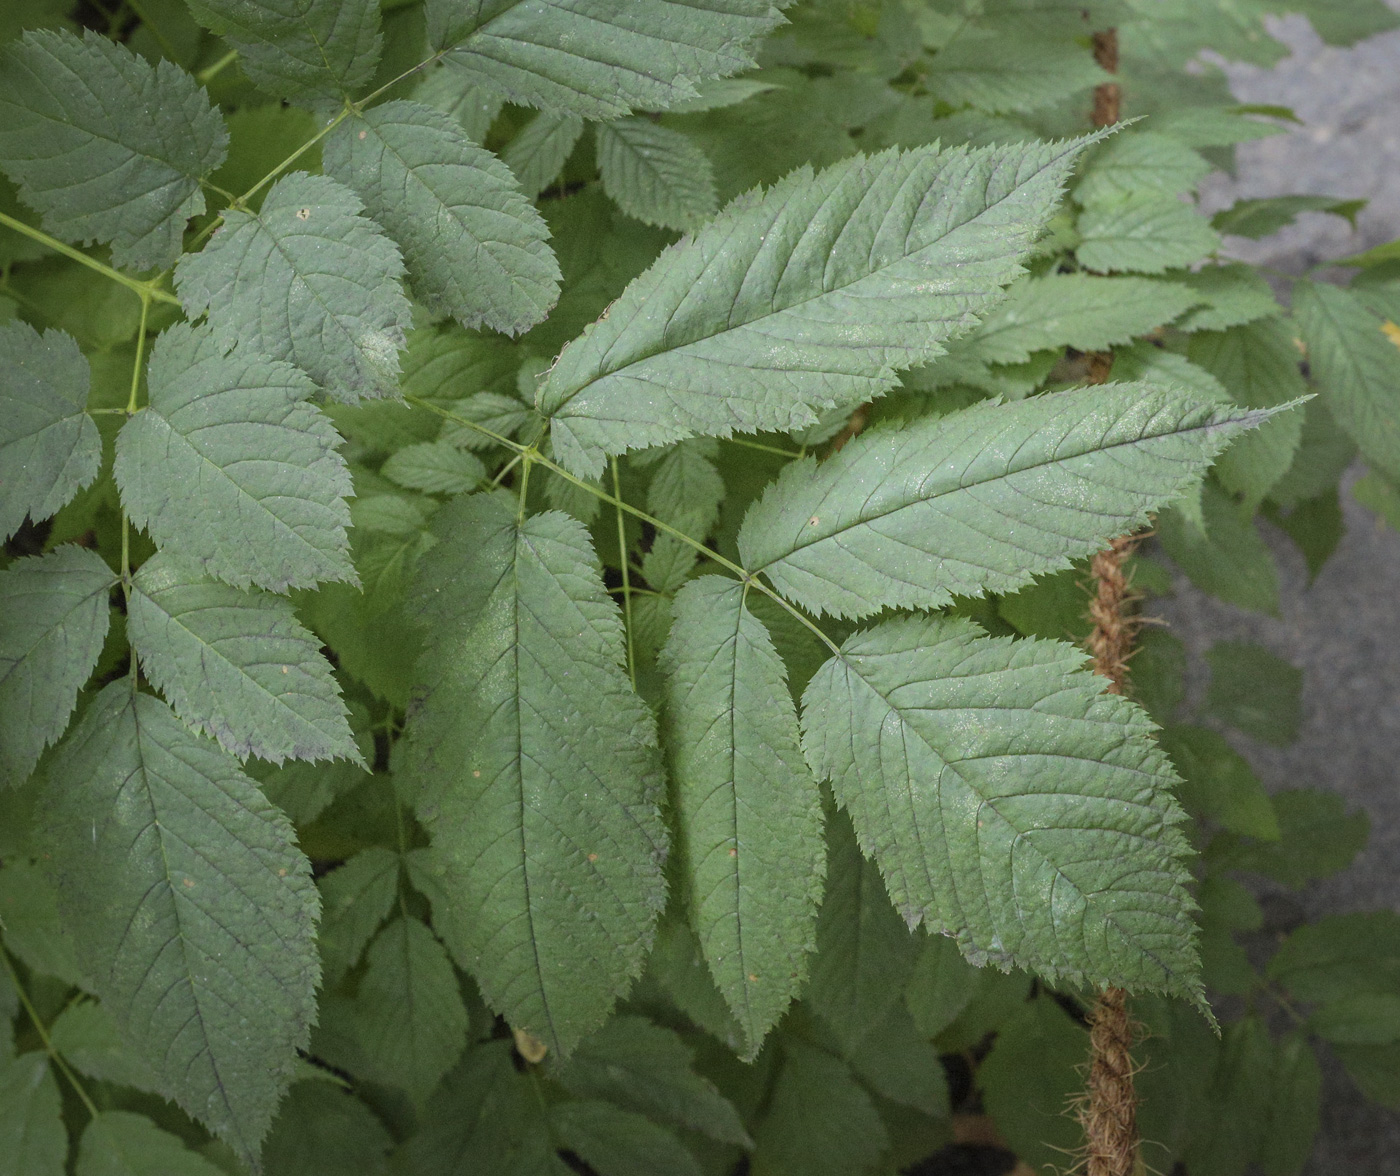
(865, 953)
(537, 768)
(1084, 311)
(33, 930)
(997, 71)
(305, 279)
(89, 1040)
(685, 491)
(408, 1010)
(1357, 367)
(598, 58)
(819, 1121)
(1254, 691)
(1139, 161)
(49, 446)
(1260, 218)
(355, 899)
(655, 173)
(810, 294)
(324, 1131)
(53, 621)
(1257, 364)
(1229, 558)
(538, 153)
(615, 1142)
(192, 907)
(1144, 233)
(302, 49)
(106, 146)
(646, 1068)
(1217, 782)
(747, 809)
(981, 500)
(236, 665)
(473, 244)
(233, 468)
(435, 467)
(1009, 802)
(119, 1143)
(450, 89)
(1232, 295)
(33, 1141)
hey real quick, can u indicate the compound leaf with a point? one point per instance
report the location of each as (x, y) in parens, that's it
(236, 665)
(1008, 801)
(655, 173)
(474, 246)
(1084, 311)
(120, 1143)
(49, 446)
(305, 279)
(355, 899)
(1357, 366)
(537, 769)
(1146, 233)
(747, 808)
(598, 58)
(408, 1010)
(53, 621)
(302, 49)
(193, 909)
(106, 146)
(647, 1068)
(31, 1124)
(808, 295)
(982, 500)
(231, 466)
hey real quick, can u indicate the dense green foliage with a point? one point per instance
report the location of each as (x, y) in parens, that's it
(541, 621)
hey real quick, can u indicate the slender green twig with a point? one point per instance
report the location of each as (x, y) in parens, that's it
(138, 287)
(39, 1028)
(209, 73)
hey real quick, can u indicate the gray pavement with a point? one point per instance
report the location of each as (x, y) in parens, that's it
(1344, 629)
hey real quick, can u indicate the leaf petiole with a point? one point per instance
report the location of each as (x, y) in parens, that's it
(43, 1033)
(148, 289)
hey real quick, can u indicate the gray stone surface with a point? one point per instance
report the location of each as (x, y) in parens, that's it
(1344, 629)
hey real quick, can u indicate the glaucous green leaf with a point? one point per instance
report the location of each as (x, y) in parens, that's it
(810, 294)
(655, 173)
(1146, 233)
(865, 953)
(308, 280)
(981, 500)
(538, 153)
(1356, 365)
(435, 467)
(1254, 691)
(1084, 311)
(89, 1040)
(1008, 801)
(450, 89)
(1230, 295)
(647, 1068)
(53, 621)
(408, 1009)
(1139, 161)
(819, 1120)
(322, 1130)
(597, 58)
(236, 665)
(193, 909)
(537, 769)
(1257, 364)
(106, 146)
(231, 466)
(49, 446)
(474, 246)
(355, 899)
(33, 1140)
(748, 812)
(31, 927)
(120, 1143)
(301, 49)
(997, 71)
(615, 1142)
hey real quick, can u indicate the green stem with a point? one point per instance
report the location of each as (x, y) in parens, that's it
(529, 454)
(144, 289)
(762, 448)
(626, 575)
(39, 1028)
(209, 73)
(140, 354)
